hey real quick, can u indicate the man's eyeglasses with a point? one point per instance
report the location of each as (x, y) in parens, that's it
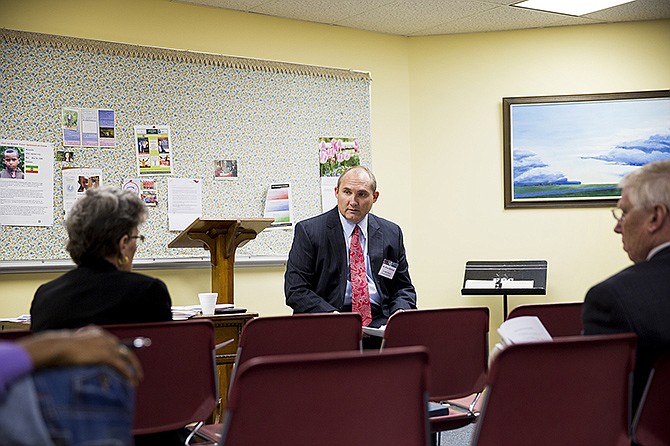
(619, 215)
(140, 237)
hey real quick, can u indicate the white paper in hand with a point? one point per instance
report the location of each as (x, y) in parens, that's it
(522, 329)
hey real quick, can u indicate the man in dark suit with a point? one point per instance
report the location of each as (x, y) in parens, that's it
(637, 299)
(317, 275)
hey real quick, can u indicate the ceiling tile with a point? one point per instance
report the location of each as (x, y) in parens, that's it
(322, 11)
(637, 10)
(240, 5)
(498, 19)
(407, 17)
(430, 17)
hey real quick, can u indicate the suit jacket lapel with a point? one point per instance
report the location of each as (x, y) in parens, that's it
(375, 245)
(336, 239)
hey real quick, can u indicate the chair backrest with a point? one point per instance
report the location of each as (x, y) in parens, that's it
(300, 333)
(651, 427)
(457, 341)
(574, 390)
(560, 319)
(330, 399)
(179, 385)
(13, 335)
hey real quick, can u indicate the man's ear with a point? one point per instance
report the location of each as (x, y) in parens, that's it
(375, 196)
(658, 218)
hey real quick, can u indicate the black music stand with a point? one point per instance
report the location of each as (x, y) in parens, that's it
(519, 277)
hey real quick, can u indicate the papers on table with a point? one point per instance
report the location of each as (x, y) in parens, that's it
(182, 312)
(374, 331)
(179, 313)
(20, 319)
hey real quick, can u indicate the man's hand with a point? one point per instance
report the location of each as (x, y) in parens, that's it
(89, 345)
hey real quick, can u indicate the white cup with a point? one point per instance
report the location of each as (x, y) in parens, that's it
(207, 302)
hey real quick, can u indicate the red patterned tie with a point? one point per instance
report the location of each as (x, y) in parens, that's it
(360, 295)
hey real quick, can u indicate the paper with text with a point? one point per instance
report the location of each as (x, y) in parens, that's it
(27, 196)
(523, 329)
(184, 202)
(500, 283)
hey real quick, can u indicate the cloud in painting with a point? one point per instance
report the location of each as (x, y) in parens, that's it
(638, 153)
(530, 170)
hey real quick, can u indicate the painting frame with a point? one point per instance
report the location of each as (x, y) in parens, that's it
(545, 120)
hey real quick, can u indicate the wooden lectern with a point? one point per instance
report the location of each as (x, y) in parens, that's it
(221, 238)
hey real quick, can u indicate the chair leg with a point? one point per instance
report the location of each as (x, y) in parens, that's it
(435, 438)
(193, 431)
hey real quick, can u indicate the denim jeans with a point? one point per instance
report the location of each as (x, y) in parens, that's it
(21, 421)
(86, 405)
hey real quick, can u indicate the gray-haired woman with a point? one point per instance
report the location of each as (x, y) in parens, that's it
(103, 236)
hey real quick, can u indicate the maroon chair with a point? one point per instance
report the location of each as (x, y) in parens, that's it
(179, 385)
(330, 399)
(560, 319)
(296, 334)
(457, 341)
(300, 333)
(650, 425)
(13, 335)
(574, 390)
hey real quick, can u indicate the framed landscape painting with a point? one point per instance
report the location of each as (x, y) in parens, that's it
(571, 151)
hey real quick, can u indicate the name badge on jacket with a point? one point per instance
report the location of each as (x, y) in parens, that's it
(388, 269)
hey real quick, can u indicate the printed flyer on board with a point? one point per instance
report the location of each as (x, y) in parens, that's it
(153, 149)
(76, 181)
(88, 127)
(26, 183)
(335, 156)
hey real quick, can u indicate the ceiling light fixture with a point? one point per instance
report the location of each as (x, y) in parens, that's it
(570, 7)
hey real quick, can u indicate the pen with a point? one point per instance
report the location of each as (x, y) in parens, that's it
(137, 342)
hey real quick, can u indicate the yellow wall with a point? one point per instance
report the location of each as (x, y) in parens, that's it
(438, 96)
(456, 86)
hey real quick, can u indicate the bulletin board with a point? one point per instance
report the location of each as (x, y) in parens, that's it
(267, 115)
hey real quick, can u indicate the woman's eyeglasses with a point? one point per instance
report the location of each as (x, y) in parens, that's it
(140, 237)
